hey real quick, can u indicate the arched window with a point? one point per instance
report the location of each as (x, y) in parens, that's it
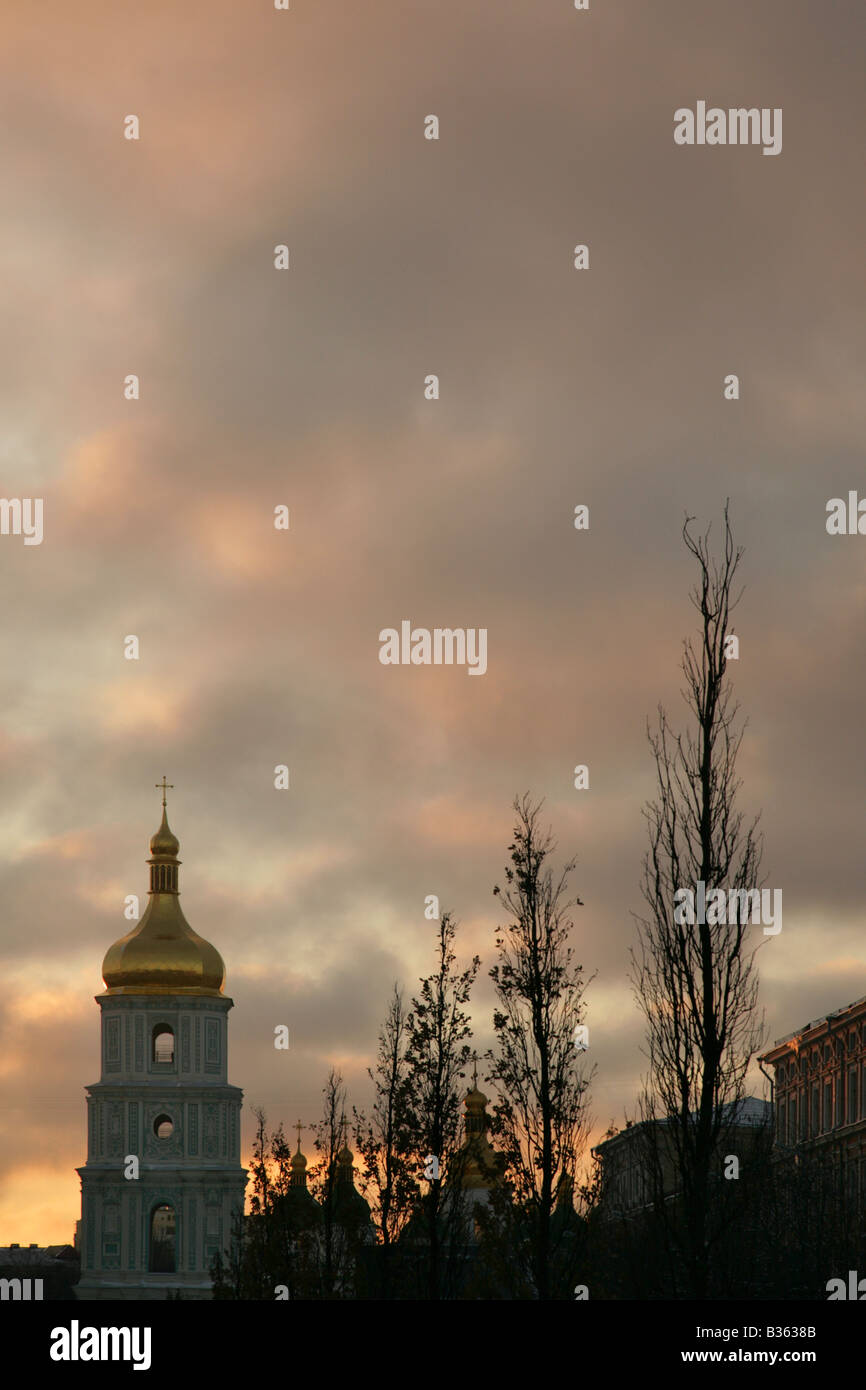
(163, 1043)
(163, 1256)
(163, 1126)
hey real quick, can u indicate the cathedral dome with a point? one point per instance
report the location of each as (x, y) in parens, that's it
(162, 954)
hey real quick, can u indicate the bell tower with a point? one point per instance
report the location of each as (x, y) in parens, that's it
(163, 1176)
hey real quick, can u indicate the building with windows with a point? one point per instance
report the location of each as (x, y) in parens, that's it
(163, 1176)
(819, 1084)
(629, 1157)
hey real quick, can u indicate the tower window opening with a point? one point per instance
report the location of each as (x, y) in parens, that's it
(163, 1044)
(163, 1126)
(163, 1257)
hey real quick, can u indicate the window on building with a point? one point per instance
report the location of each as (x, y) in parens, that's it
(792, 1121)
(828, 1105)
(163, 1043)
(163, 1256)
(163, 1126)
(780, 1122)
(852, 1095)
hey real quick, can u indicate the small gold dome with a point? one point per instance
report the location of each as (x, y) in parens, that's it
(162, 954)
(164, 842)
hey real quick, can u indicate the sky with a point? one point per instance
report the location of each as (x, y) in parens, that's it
(305, 388)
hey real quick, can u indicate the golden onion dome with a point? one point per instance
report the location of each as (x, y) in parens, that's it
(164, 842)
(162, 954)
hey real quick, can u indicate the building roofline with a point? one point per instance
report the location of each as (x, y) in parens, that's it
(741, 1120)
(799, 1034)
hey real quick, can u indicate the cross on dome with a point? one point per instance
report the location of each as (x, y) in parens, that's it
(165, 786)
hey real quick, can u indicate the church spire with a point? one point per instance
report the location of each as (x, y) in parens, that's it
(164, 846)
(162, 954)
(163, 1094)
(298, 1163)
(482, 1166)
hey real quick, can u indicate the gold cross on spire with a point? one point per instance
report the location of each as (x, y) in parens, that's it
(475, 1070)
(299, 1127)
(166, 786)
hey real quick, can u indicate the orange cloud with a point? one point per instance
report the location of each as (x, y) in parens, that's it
(104, 483)
(139, 704)
(72, 844)
(450, 822)
(239, 539)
